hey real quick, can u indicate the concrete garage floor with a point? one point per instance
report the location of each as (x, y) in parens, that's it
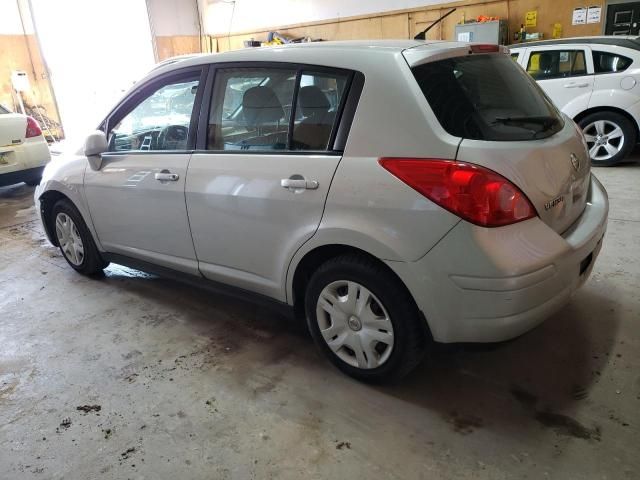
(178, 383)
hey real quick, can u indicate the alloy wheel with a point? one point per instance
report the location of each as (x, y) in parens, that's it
(69, 239)
(354, 324)
(604, 139)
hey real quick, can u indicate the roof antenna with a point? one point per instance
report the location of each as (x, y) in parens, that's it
(423, 34)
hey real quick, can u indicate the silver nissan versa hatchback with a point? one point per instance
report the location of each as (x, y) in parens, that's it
(389, 193)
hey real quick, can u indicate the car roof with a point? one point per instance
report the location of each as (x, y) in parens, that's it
(626, 41)
(312, 51)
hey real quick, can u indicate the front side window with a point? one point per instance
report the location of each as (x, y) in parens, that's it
(606, 62)
(159, 122)
(252, 109)
(548, 64)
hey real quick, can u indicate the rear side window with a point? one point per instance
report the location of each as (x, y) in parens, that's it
(544, 65)
(606, 62)
(487, 97)
(317, 105)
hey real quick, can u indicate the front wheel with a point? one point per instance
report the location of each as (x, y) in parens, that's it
(364, 320)
(610, 137)
(75, 240)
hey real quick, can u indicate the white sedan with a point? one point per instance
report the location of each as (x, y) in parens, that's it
(23, 149)
(595, 81)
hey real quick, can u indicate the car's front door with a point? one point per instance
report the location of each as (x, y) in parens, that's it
(565, 73)
(136, 199)
(256, 191)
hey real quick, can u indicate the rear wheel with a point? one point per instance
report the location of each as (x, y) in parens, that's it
(364, 320)
(610, 137)
(75, 240)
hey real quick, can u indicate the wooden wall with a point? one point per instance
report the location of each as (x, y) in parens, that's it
(406, 23)
(170, 46)
(21, 52)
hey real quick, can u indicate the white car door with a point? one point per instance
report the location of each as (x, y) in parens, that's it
(256, 191)
(136, 199)
(565, 73)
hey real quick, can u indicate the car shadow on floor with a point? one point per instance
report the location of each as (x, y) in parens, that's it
(539, 376)
(542, 375)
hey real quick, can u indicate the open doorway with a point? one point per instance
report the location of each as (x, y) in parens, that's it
(95, 51)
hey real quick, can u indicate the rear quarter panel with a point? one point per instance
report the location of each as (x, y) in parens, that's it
(367, 207)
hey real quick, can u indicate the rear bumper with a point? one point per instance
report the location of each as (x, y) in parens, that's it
(24, 161)
(486, 285)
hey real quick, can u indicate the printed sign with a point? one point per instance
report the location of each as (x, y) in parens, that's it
(531, 19)
(557, 30)
(594, 14)
(579, 16)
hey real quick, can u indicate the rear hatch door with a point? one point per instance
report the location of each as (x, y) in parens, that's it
(553, 173)
(507, 124)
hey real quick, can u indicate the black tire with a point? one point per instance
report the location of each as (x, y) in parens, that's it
(411, 337)
(612, 119)
(91, 262)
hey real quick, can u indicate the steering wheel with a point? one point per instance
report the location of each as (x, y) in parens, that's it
(172, 133)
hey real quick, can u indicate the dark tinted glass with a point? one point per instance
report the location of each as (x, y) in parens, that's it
(605, 62)
(556, 64)
(487, 97)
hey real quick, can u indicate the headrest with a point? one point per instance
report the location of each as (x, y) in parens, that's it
(260, 105)
(313, 100)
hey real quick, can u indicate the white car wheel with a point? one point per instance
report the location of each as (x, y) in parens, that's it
(354, 324)
(69, 239)
(605, 139)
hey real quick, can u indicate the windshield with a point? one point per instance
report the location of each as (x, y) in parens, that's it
(487, 97)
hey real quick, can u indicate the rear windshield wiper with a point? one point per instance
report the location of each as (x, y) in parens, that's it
(545, 121)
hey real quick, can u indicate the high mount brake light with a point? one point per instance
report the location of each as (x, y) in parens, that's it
(484, 48)
(474, 193)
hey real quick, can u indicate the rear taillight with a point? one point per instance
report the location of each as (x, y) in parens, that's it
(474, 193)
(33, 129)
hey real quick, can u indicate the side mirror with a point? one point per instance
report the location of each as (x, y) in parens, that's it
(94, 145)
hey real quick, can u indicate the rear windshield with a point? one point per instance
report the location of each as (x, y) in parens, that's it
(487, 97)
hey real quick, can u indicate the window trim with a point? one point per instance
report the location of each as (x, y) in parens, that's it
(299, 68)
(144, 91)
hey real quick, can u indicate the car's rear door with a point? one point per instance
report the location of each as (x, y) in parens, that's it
(136, 199)
(565, 73)
(257, 184)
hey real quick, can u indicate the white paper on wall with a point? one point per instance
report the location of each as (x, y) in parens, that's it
(594, 14)
(579, 16)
